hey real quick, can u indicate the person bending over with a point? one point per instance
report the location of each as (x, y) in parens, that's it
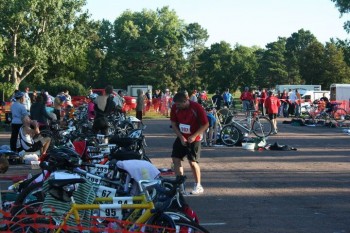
(189, 121)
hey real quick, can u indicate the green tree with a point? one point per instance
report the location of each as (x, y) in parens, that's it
(336, 69)
(148, 47)
(312, 63)
(196, 36)
(34, 32)
(244, 68)
(345, 46)
(344, 8)
(295, 45)
(216, 67)
(272, 68)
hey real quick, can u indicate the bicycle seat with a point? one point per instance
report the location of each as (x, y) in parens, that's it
(63, 182)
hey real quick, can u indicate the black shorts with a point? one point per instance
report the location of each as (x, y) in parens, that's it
(192, 151)
(35, 147)
(272, 116)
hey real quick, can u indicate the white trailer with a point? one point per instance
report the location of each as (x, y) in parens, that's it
(132, 89)
(301, 88)
(340, 92)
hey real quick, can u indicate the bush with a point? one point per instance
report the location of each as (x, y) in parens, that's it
(62, 84)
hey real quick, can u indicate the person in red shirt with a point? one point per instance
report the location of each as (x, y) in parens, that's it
(247, 99)
(189, 121)
(263, 96)
(272, 104)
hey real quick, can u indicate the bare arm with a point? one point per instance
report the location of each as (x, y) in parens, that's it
(200, 131)
(33, 131)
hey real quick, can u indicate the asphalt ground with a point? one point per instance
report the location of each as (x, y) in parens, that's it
(307, 190)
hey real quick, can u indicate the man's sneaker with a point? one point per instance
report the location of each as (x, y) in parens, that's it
(197, 190)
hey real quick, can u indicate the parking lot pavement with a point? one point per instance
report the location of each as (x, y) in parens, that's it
(307, 190)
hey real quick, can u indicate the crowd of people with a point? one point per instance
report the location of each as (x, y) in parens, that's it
(31, 112)
(191, 117)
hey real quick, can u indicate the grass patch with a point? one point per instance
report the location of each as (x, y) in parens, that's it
(148, 115)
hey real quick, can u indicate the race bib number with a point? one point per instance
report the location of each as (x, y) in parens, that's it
(185, 129)
(94, 179)
(104, 191)
(102, 168)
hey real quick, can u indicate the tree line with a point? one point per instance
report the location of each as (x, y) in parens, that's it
(56, 45)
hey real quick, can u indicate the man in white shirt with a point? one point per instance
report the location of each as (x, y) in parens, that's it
(27, 102)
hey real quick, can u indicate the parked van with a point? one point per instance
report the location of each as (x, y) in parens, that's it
(311, 96)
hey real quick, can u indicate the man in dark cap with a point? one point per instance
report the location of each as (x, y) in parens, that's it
(18, 110)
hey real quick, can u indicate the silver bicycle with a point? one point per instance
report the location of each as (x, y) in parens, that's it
(260, 126)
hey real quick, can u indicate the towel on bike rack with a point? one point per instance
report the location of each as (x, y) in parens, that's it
(139, 169)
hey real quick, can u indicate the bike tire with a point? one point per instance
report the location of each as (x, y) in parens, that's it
(177, 215)
(25, 210)
(339, 115)
(262, 127)
(186, 226)
(31, 194)
(160, 223)
(29, 225)
(230, 135)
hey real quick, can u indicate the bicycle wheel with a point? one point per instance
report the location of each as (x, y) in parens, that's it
(262, 127)
(30, 225)
(185, 226)
(160, 223)
(31, 194)
(230, 135)
(17, 212)
(339, 115)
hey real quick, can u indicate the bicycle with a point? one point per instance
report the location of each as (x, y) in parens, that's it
(259, 125)
(335, 113)
(78, 216)
(145, 211)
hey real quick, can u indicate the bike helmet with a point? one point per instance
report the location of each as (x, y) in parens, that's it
(63, 158)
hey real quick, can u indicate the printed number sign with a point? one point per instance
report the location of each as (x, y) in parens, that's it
(94, 179)
(185, 129)
(101, 168)
(104, 191)
(114, 211)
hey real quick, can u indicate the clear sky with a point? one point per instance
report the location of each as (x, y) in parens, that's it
(246, 22)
